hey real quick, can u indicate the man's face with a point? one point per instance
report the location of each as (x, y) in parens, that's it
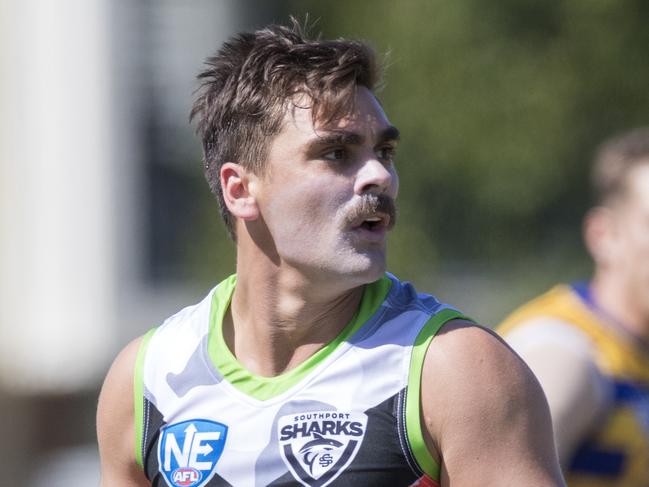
(326, 197)
(630, 256)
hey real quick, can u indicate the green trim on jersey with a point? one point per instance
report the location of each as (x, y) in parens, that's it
(264, 388)
(413, 393)
(138, 395)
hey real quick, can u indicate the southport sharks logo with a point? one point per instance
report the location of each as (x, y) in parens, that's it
(317, 446)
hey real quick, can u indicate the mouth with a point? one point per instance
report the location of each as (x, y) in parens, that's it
(371, 217)
(373, 223)
(372, 228)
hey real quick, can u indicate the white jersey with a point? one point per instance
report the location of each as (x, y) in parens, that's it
(348, 415)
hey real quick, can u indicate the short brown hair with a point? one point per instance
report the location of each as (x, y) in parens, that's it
(614, 159)
(247, 86)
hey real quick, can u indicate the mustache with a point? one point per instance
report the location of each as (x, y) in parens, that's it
(371, 204)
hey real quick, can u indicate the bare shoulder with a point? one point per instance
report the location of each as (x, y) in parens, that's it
(116, 422)
(464, 350)
(562, 358)
(483, 407)
(467, 363)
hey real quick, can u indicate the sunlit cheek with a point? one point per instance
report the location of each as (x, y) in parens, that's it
(308, 224)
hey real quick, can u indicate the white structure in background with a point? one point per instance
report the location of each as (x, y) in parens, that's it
(57, 259)
(78, 79)
(75, 77)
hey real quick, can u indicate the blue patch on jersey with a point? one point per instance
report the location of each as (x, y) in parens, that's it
(188, 451)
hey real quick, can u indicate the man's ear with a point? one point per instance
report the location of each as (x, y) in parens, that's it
(235, 184)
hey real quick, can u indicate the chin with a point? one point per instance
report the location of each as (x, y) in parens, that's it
(348, 268)
(368, 270)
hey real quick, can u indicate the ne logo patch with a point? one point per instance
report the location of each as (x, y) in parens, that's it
(318, 446)
(188, 451)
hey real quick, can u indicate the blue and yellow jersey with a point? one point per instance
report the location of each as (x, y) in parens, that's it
(616, 454)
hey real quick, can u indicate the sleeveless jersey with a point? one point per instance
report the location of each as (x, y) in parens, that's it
(348, 415)
(616, 454)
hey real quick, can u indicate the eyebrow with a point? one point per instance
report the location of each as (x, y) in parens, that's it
(344, 137)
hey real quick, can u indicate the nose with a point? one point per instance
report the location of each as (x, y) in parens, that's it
(376, 177)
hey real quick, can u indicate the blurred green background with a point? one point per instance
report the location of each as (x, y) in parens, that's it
(500, 105)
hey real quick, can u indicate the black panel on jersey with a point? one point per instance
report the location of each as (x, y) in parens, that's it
(153, 423)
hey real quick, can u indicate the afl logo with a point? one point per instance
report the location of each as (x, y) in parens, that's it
(186, 476)
(189, 451)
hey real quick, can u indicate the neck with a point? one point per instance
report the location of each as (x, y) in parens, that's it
(279, 317)
(613, 299)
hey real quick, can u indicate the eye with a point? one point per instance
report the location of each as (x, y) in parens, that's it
(386, 153)
(338, 154)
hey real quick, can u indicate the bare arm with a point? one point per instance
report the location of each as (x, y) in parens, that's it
(562, 360)
(116, 424)
(485, 415)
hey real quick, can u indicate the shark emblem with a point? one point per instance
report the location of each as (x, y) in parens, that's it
(317, 449)
(317, 446)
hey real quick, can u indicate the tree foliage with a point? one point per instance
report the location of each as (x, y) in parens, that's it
(500, 105)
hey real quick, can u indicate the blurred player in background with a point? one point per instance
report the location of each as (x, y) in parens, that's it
(312, 366)
(588, 343)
